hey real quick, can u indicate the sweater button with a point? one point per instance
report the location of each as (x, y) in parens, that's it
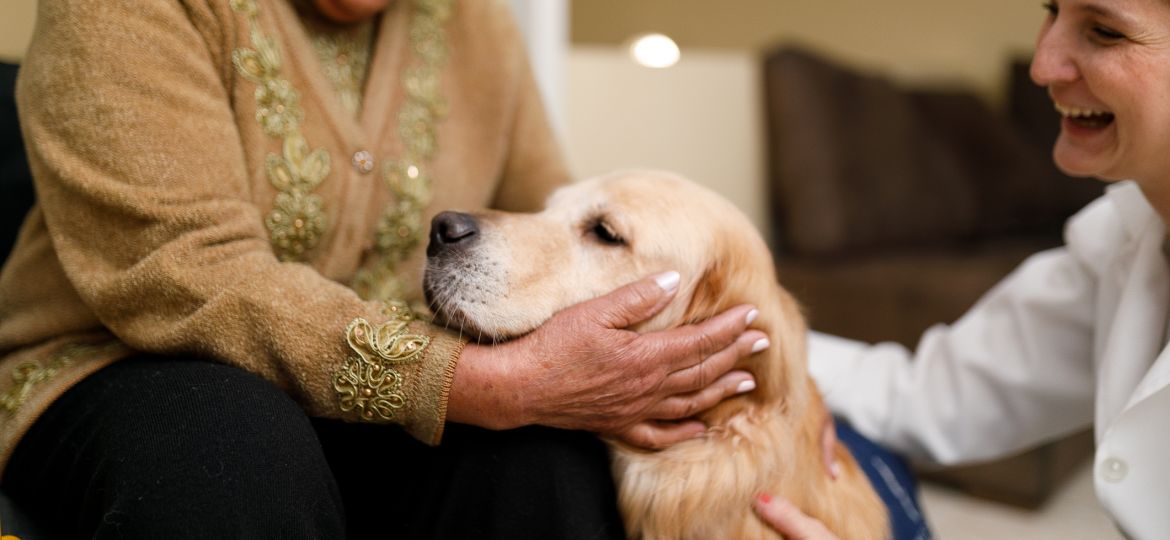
(363, 161)
(1113, 470)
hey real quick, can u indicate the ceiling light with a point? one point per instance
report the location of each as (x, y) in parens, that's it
(654, 50)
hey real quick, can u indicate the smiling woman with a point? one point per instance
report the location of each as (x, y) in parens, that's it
(1076, 335)
(1107, 68)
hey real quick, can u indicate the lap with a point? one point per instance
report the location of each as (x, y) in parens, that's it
(153, 442)
(893, 480)
(192, 432)
(532, 482)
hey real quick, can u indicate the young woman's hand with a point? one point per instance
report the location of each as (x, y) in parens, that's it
(788, 520)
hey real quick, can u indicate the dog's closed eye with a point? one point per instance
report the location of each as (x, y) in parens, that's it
(604, 233)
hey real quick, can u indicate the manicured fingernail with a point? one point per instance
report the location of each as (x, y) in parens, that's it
(751, 316)
(764, 498)
(761, 344)
(745, 386)
(668, 281)
(835, 470)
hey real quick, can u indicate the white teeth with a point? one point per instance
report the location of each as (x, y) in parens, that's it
(1077, 112)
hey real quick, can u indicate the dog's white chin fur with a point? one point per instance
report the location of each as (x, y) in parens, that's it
(471, 316)
(468, 294)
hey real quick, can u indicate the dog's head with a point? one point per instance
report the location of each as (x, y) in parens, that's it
(494, 275)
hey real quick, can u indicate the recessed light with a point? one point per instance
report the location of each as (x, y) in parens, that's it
(654, 50)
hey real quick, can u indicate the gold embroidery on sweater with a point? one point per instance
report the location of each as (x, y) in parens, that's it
(345, 55)
(28, 375)
(400, 228)
(368, 382)
(298, 220)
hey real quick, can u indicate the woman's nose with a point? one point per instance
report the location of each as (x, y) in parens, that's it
(1053, 61)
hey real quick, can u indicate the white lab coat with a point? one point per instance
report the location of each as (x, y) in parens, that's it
(1075, 335)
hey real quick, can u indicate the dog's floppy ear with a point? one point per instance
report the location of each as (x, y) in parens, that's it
(729, 279)
(710, 295)
(732, 276)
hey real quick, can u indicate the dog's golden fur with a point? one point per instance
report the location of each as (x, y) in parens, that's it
(527, 267)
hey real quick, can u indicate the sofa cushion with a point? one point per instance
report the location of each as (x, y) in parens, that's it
(850, 159)
(859, 164)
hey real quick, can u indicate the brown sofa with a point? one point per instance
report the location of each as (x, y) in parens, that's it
(895, 208)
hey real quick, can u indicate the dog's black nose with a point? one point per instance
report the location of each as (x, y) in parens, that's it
(452, 230)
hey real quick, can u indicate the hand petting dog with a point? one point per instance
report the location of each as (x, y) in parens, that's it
(584, 369)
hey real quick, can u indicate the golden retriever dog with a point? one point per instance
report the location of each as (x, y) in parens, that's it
(602, 233)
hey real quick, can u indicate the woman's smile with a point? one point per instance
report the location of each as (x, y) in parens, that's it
(1084, 118)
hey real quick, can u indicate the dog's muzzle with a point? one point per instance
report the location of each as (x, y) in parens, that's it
(452, 232)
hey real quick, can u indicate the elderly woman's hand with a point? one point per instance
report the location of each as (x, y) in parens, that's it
(584, 370)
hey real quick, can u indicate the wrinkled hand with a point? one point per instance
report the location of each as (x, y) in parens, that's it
(789, 521)
(584, 370)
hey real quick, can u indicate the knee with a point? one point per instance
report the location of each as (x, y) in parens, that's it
(542, 456)
(211, 444)
(177, 411)
(541, 479)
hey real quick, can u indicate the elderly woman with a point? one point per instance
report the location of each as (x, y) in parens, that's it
(207, 325)
(1076, 335)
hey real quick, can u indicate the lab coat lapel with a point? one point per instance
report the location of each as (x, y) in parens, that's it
(1156, 379)
(1136, 332)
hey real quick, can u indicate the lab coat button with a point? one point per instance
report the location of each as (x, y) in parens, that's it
(1113, 470)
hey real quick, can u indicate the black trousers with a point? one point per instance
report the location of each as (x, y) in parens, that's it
(156, 447)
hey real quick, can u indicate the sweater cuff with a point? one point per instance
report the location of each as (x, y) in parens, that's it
(398, 371)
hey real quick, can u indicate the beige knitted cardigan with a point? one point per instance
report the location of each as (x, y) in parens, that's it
(202, 191)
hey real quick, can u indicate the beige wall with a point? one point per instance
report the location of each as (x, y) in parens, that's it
(966, 41)
(700, 118)
(16, 23)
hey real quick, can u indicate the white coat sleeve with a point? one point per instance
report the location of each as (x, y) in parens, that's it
(1014, 371)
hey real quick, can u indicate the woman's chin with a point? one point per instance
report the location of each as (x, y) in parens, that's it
(1074, 169)
(1087, 151)
(1078, 163)
(350, 11)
